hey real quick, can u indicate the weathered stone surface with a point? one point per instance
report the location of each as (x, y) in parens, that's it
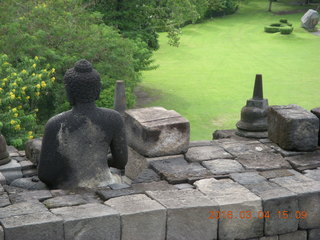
(65, 201)
(11, 171)
(308, 191)
(24, 196)
(262, 161)
(184, 186)
(20, 159)
(314, 234)
(298, 235)
(269, 238)
(204, 153)
(187, 214)
(147, 175)
(156, 131)
(276, 173)
(1, 233)
(178, 170)
(22, 208)
(31, 183)
(13, 152)
(293, 128)
(26, 165)
(200, 143)
(108, 194)
(247, 178)
(283, 152)
(33, 226)
(90, 221)
(223, 166)
(316, 111)
(314, 174)
(117, 186)
(33, 149)
(231, 196)
(4, 199)
(136, 164)
(237, 148)
(306, 161)
(152, 186)
(2, 179)
(310, 20)
(277, 199)
(141, 217)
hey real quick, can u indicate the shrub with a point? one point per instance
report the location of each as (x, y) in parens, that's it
(286, 30)
(276, 25)
(22, 89)
(271, 29)
(62, 32)
(221, 7)
(283, 20)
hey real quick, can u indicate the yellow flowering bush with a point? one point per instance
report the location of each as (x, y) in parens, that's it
(21, 91)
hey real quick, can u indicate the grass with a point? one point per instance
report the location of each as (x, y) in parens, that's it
(211, 75)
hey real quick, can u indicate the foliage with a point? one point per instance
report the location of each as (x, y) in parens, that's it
(286, 30)
(22, 89)
(221, 7)
(283, 26)
(62, 32)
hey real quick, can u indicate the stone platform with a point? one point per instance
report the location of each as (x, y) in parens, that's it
(230, 188)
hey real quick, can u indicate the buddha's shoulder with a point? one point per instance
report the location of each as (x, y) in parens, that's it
(110, 114)
(58, 119)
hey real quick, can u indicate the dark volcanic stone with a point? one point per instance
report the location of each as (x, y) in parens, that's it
(152, 186)
(316, 111)
(263, 161)
(179, 170)
(4, 199)
(76, 143)
(306, 161)
(25, 196)
(65, 201)
(147, 175)
(31, 183)
(107, 194)
(293, 128)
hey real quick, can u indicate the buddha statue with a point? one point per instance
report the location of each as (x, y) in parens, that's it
(76, 142)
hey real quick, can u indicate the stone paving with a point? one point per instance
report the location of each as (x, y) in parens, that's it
(229, 188)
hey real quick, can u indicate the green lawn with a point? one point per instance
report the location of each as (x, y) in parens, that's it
(211, 75)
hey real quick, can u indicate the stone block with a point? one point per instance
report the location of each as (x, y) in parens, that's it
(238, 200)
(305, 161)
(200, 143)
(184, 186)
(29, 173)
(298, 235)
(13, 152)
(64, 201)
(178, 170)
(108, 194)
(316, 111)
(187, 214)
(308, 192)
(24, 196)
(156, 131)
(314, 174)
(11, 171)
(2, 179)
(269, 238)
(136, 164)
(152, 186)
(247, 178)
(89, 221)
(314, 234)
(293, 128)
(147, 175)
(33, 226)
(31, 183)
(262, 161)
(4, 199)
(237, 148)
(204, 153)
(33, 149)
(1, 233)
(223, 166)
(22, 208)
(117, 186)
(25, 165)
(141, 217)
(276, 173)
(279, 206)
